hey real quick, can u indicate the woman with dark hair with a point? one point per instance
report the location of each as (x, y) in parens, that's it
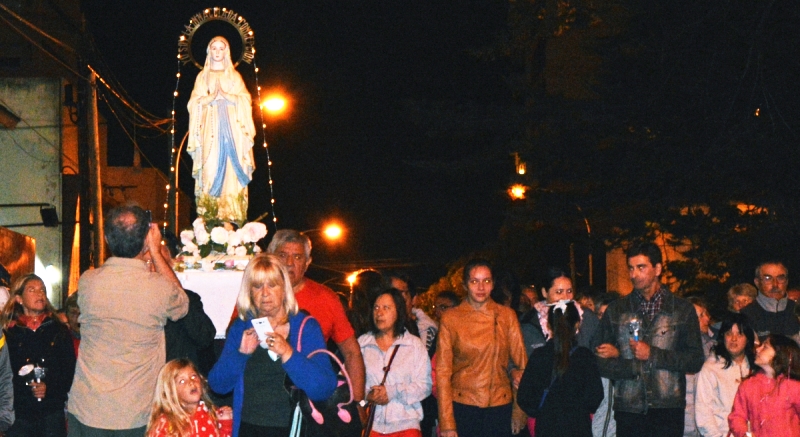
(37, 338)
(479, 341)
(557, 286)
(408, 380)
(363, 292)
(718, 380)
(768, 403)
(561, 386)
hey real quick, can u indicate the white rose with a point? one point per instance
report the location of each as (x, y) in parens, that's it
(234, 238)
(219, 235)
(187, 237)
(245, 236)
(253, 232)
(201, 236)
(240, 251)
(198, 223)
(189, 247)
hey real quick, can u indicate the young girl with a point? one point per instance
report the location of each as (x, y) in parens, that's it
(769, 401)
(181, 407)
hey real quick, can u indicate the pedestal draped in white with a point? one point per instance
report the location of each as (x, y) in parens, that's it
(218, 290)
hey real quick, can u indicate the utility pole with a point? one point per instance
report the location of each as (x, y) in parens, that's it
(85, 202)
(95, 179)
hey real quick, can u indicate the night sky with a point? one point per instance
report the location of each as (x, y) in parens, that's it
(405, 114)
(353, 147)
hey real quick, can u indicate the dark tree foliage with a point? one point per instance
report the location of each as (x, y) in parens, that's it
(632, 113)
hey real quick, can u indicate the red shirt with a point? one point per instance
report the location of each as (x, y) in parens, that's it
(322, 303)
(202, 425)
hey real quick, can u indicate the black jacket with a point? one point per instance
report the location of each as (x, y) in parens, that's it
(51, 347)
(570, 399)
(189, 336)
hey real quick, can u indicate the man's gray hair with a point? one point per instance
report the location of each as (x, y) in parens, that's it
(289, 236)
(775, 261)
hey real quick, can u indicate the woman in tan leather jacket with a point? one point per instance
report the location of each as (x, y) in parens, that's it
(479, 341)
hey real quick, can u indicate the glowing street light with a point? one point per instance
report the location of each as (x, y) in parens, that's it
(331, 232)
(352, 277)
(274, 104)
(517, 191)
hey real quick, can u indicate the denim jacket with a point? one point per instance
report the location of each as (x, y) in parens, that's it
(675, 350)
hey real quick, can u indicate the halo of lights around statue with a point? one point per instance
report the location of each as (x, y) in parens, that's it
(216, 14)
(186, 56)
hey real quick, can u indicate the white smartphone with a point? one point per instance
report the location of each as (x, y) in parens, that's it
(264, 328)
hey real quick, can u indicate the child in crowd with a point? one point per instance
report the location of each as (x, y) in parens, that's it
(768, 403)
(181, 407)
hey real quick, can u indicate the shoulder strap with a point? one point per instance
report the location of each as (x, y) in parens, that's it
(342, 370)
(335, 359)
(300, 333)
(389, 366)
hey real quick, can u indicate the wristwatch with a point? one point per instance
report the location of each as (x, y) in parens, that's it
(363, 403)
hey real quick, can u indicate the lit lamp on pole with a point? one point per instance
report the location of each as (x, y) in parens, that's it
(275, 104)
(352, 278)
(517, 191)
(332, 232)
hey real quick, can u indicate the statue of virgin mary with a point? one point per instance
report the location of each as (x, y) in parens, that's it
(221, 133)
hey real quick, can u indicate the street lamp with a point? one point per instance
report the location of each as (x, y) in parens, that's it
(331, 232)
(517, 191)
(352, 277)
(275, 104)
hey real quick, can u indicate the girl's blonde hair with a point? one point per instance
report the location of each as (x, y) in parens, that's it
(167, 405)
(264, 269)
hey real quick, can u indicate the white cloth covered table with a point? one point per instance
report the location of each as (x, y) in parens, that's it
(218, 290)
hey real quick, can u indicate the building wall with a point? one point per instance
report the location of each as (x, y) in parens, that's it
(60, 19)
(30, 166)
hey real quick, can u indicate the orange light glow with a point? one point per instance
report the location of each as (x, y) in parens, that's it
(274, 104)
(517, 191)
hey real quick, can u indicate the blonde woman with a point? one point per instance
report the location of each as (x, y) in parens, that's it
(261, 405)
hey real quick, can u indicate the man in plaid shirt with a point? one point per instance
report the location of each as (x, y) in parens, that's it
(650, 341)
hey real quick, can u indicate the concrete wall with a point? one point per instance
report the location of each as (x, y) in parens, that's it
(30, 166)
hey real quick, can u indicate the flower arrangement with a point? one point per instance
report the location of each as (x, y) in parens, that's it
(219, 237)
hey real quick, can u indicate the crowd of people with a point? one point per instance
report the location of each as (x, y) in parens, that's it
(126, 356)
